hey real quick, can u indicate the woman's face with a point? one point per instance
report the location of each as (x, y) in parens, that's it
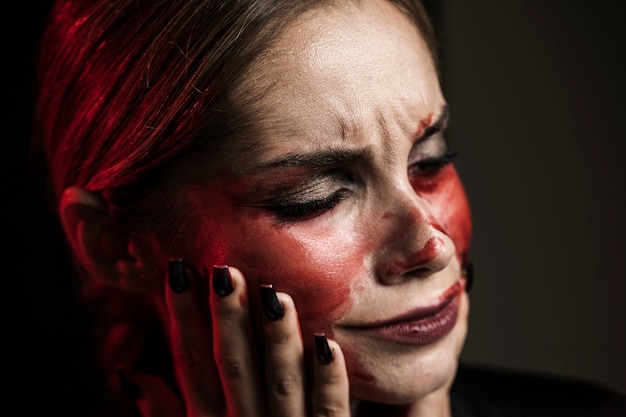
(345, 200)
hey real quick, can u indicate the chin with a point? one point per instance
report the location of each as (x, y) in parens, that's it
(403, 374)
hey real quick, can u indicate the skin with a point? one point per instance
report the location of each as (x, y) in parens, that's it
(358, 80)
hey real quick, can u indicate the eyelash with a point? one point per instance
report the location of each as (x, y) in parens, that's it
(311, 208)
(429, 167)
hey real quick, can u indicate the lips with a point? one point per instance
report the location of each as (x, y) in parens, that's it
(420, 326)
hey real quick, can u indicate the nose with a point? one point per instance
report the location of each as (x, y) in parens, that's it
(412, 243)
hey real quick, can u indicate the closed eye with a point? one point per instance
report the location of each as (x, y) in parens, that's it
(429, 167)
(306, 210)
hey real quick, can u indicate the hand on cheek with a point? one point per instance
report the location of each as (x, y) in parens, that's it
(218, 362)
(284, 364)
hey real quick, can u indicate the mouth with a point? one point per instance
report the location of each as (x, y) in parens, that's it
(419, 326)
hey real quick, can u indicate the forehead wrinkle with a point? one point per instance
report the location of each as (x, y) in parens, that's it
(386, 138)
(298, 63)
(297, 67)
(396, 125)
(349, 123)
(403, 118)
(407, 117)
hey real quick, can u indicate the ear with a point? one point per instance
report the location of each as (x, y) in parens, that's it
(104, 248)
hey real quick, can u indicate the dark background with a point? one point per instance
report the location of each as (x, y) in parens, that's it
(537, 93)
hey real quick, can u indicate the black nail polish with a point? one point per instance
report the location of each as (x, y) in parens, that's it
(222, 282)
(177, 278)
(322, 350)
(469, 276)
(272, 307)
(131, 389)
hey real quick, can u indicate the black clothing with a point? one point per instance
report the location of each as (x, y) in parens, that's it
(489, 392)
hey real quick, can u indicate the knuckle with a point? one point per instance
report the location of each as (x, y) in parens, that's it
(234, 367)
(284, 385)
(328, 410)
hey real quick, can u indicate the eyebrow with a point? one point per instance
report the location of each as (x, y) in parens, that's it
(345, 156)
(319, 159)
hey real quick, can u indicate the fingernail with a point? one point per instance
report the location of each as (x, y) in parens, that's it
(272, 307)
(131, 389)
(222, 281)
(177, 277)
(322, 350)
(469, 276)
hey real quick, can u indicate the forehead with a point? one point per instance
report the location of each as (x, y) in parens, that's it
(338, 74)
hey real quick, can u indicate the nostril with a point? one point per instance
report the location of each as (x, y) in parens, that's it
(420, 272)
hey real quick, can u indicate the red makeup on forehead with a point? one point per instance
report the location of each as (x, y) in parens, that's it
(423, 124)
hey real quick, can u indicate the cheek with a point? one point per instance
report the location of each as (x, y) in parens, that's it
(318, 263)
(450, 208)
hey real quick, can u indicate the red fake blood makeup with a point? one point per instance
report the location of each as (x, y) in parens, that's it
(424, 123)
(328, 262)
(429, 252)
(449, 206)
(315, 266)
(306, 258)
(445, 194)
(454, 290)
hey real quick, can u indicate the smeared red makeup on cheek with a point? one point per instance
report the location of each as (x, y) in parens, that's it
(449, 206)
(315, 265)
(315, 260)
(318, 262)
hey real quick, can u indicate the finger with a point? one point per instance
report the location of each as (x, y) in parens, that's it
(330, 387)
(284, 358)
(235, 347)
(191, 342)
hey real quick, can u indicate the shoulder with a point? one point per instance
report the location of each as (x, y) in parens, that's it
(489, 392)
